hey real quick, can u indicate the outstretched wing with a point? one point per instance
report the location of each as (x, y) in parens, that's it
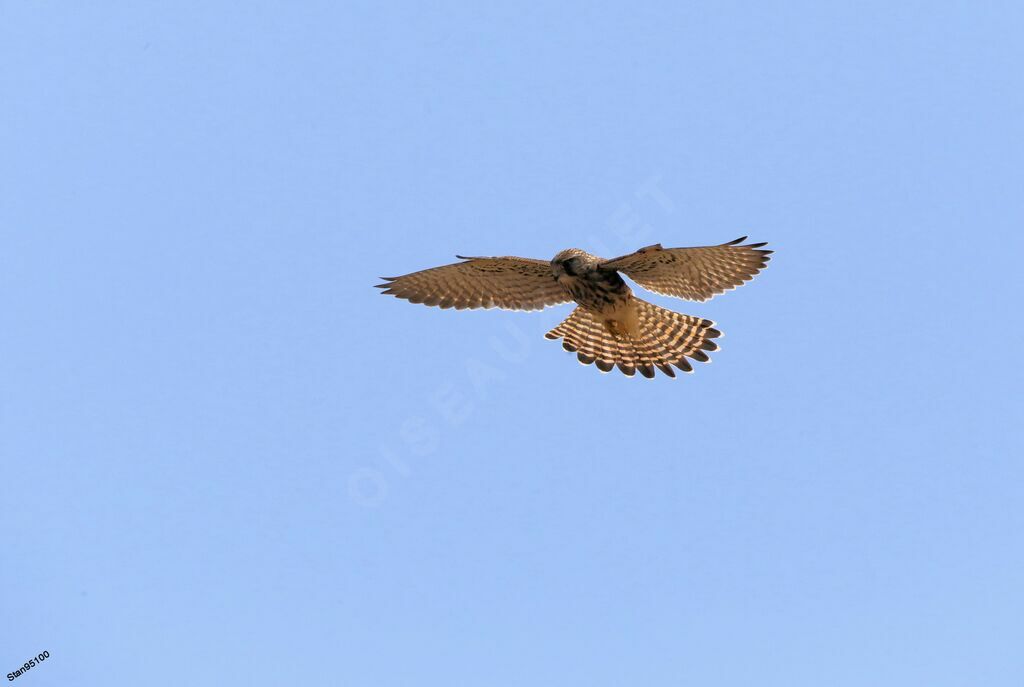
(504, 282)
(695, 274)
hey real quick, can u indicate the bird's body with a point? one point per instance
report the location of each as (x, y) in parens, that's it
(610, 327)
(603, 292)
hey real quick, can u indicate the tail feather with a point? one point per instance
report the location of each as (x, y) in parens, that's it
(665, 340)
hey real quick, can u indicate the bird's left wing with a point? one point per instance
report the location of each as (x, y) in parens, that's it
(695, 274)
(503, 282)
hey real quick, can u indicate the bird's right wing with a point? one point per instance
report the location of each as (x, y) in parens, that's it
(695, 274)
(503, 282)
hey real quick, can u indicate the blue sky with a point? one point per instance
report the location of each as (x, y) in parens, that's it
(227, 459)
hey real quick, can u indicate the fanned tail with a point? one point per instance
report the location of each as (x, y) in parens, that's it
(665, 340)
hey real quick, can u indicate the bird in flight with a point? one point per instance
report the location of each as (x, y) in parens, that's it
(610, 327)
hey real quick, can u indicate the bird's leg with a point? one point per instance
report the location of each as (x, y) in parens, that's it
(621, 321)
(615, 328)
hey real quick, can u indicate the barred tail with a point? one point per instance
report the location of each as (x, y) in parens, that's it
(665, 339)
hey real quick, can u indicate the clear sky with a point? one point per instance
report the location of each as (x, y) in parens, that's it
(226, 459)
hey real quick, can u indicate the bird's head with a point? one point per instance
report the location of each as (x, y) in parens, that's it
(569, 263)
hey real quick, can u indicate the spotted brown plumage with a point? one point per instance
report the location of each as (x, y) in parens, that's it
(696, 274)
(665, 339)
(505, 282)
(610, 327)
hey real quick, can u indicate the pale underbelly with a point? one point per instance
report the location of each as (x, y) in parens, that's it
(620, 316)
(611, 303)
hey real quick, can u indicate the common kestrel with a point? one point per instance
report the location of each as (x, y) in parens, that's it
(610, 326)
